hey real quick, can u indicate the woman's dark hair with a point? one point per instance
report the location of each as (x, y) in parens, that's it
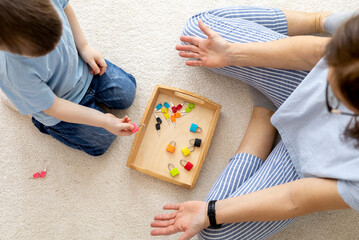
(343, 56)
(30, 27)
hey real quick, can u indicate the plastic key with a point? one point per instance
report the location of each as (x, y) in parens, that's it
(173, 120)
(166, 105)
(173, 171)
(158, 128)
(158, 119)
(167, 116)
(136, 128)
(40, 175)
(159, 106)
(191, 105)
(171, 147)
(194, 128)
(186, 164)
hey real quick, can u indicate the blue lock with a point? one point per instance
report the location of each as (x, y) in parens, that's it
(194, 128)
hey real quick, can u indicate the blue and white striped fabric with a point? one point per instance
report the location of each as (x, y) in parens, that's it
(251, 24)
(246, 173)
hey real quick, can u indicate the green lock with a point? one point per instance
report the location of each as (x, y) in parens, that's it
(174, 171)
(187, 110)
(191, 105)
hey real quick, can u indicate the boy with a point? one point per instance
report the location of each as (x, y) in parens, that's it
(47, 69)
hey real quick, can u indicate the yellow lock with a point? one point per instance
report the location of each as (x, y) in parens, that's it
(187, 150)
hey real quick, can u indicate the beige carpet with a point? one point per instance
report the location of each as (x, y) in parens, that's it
(100, 198)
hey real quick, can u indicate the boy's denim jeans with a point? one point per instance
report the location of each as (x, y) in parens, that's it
(116, 89)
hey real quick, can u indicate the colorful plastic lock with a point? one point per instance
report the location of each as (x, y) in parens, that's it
(187, 110)
(186, 164)
(173, 171)
(194, 128)
(186, 151)
(166, 105)
(174, 109)
(136, 128)
(159, 106)
(173, 118)
(195, 142)
(191, 105)
(167, 116)
(171, 147)
(164, 110)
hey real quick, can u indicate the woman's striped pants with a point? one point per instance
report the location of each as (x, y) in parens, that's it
(246, 173)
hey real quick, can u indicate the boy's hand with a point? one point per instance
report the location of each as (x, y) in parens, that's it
(118, 126)
(93, 58)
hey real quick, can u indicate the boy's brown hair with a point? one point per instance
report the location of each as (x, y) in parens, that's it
(30, 27)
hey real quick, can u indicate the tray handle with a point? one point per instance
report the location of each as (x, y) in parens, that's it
(188, 97)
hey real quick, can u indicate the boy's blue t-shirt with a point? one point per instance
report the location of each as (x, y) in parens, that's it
(32, 83)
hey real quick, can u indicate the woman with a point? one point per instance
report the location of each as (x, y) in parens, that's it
(314, 167)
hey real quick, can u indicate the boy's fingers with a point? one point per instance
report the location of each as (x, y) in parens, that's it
(94, 67)
(103, 66)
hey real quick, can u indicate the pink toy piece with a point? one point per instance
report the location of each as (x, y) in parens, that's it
(135, 128)
(36, 175)
(43, 174)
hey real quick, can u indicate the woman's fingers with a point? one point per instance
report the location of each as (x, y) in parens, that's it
(189, 55)
(164, 231)
(209, 32)
(167, 216)
(187, 48)
(171, 206)
(192, 40)
(162, 224)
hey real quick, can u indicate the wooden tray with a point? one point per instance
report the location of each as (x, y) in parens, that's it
(148, 153)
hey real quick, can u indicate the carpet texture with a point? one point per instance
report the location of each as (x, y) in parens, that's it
(100, 198)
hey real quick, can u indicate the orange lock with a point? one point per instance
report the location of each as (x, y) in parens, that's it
(171, 147)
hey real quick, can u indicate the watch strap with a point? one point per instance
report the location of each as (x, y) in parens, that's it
(211, 213)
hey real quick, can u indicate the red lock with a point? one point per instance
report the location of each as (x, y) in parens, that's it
(186, 164)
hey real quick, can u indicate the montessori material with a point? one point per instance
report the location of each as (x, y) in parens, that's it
(187, 150)
(171, 147)
(195, 142)
(194, 128)
(186, 164)
(136, 128)
(173, 171)
(148, 153)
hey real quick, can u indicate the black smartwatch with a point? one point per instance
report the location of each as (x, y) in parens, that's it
(211, 212)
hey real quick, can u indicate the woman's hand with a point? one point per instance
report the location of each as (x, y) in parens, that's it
(119, 126)
(190, 218)
(93, 58)
(211, 52)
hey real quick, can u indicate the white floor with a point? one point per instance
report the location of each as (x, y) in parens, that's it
(100, 198)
